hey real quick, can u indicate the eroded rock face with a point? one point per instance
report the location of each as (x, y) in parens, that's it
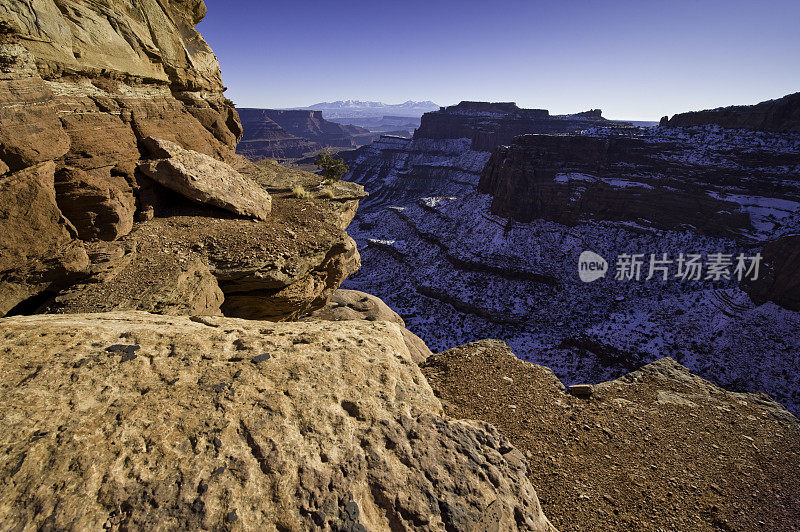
(700, 179)
(204, 179)
(102, 75)
(161, 423)
(30, 131)
(280, 134)
(264, 138)
(100, 209)
(38, 252)
(780, 114)
(449, 150)
(278, 269)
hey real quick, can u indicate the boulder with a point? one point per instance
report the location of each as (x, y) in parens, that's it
(99, 208)
(204, 179)
(38, 251)
(354, 305)
(164, 423)
(308, 291)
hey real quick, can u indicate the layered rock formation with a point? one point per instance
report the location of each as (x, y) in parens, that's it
(283, 134)
(658, 449)
(781, 114)
(122, 109)
(710, 181)
(38, 250)
(449, 150)
(263, 138)
(494, 250)
(221, 423)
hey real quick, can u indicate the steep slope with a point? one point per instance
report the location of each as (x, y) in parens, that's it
(449, 150)
(658, 449)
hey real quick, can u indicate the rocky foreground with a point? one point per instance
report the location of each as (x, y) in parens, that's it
(658, 449)
(137, 421)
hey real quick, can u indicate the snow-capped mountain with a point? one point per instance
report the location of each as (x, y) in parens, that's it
(359, 108)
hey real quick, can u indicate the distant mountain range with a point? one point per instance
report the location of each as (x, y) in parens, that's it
(361, 109)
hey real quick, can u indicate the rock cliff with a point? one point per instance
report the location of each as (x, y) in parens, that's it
(714, 182)
(112, 119)
(449, 150)
(781, 114)
(298, 132)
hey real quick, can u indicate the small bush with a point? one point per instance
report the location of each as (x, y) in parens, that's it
(333, 168)
(327, 192)
(299, 192)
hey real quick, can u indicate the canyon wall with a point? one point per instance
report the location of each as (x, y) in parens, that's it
(281, 134)
(708, 181)
(781, 114)
(449, 150)
(491, 245)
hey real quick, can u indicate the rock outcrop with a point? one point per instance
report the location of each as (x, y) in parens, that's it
(281, 134)
(278, 269)
(156, 422)
(204, 179)
(118, 73)
(656, 449)
(347, 305)
(448, 151)
(781, 114)
(38, 252)
(706, 180)
(123, 103)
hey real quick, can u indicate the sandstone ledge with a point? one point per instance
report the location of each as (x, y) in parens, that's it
(132, 420)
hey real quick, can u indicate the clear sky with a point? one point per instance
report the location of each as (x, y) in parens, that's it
(636, 60)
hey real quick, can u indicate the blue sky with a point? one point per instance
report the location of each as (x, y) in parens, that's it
(637, 60)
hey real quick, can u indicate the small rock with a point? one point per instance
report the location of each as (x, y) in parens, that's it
(581, 390)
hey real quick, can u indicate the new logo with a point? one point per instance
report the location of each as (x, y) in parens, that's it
(591, 266)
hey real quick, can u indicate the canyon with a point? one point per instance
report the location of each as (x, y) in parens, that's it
(188, 343)
(292, 134)
(487, 237)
